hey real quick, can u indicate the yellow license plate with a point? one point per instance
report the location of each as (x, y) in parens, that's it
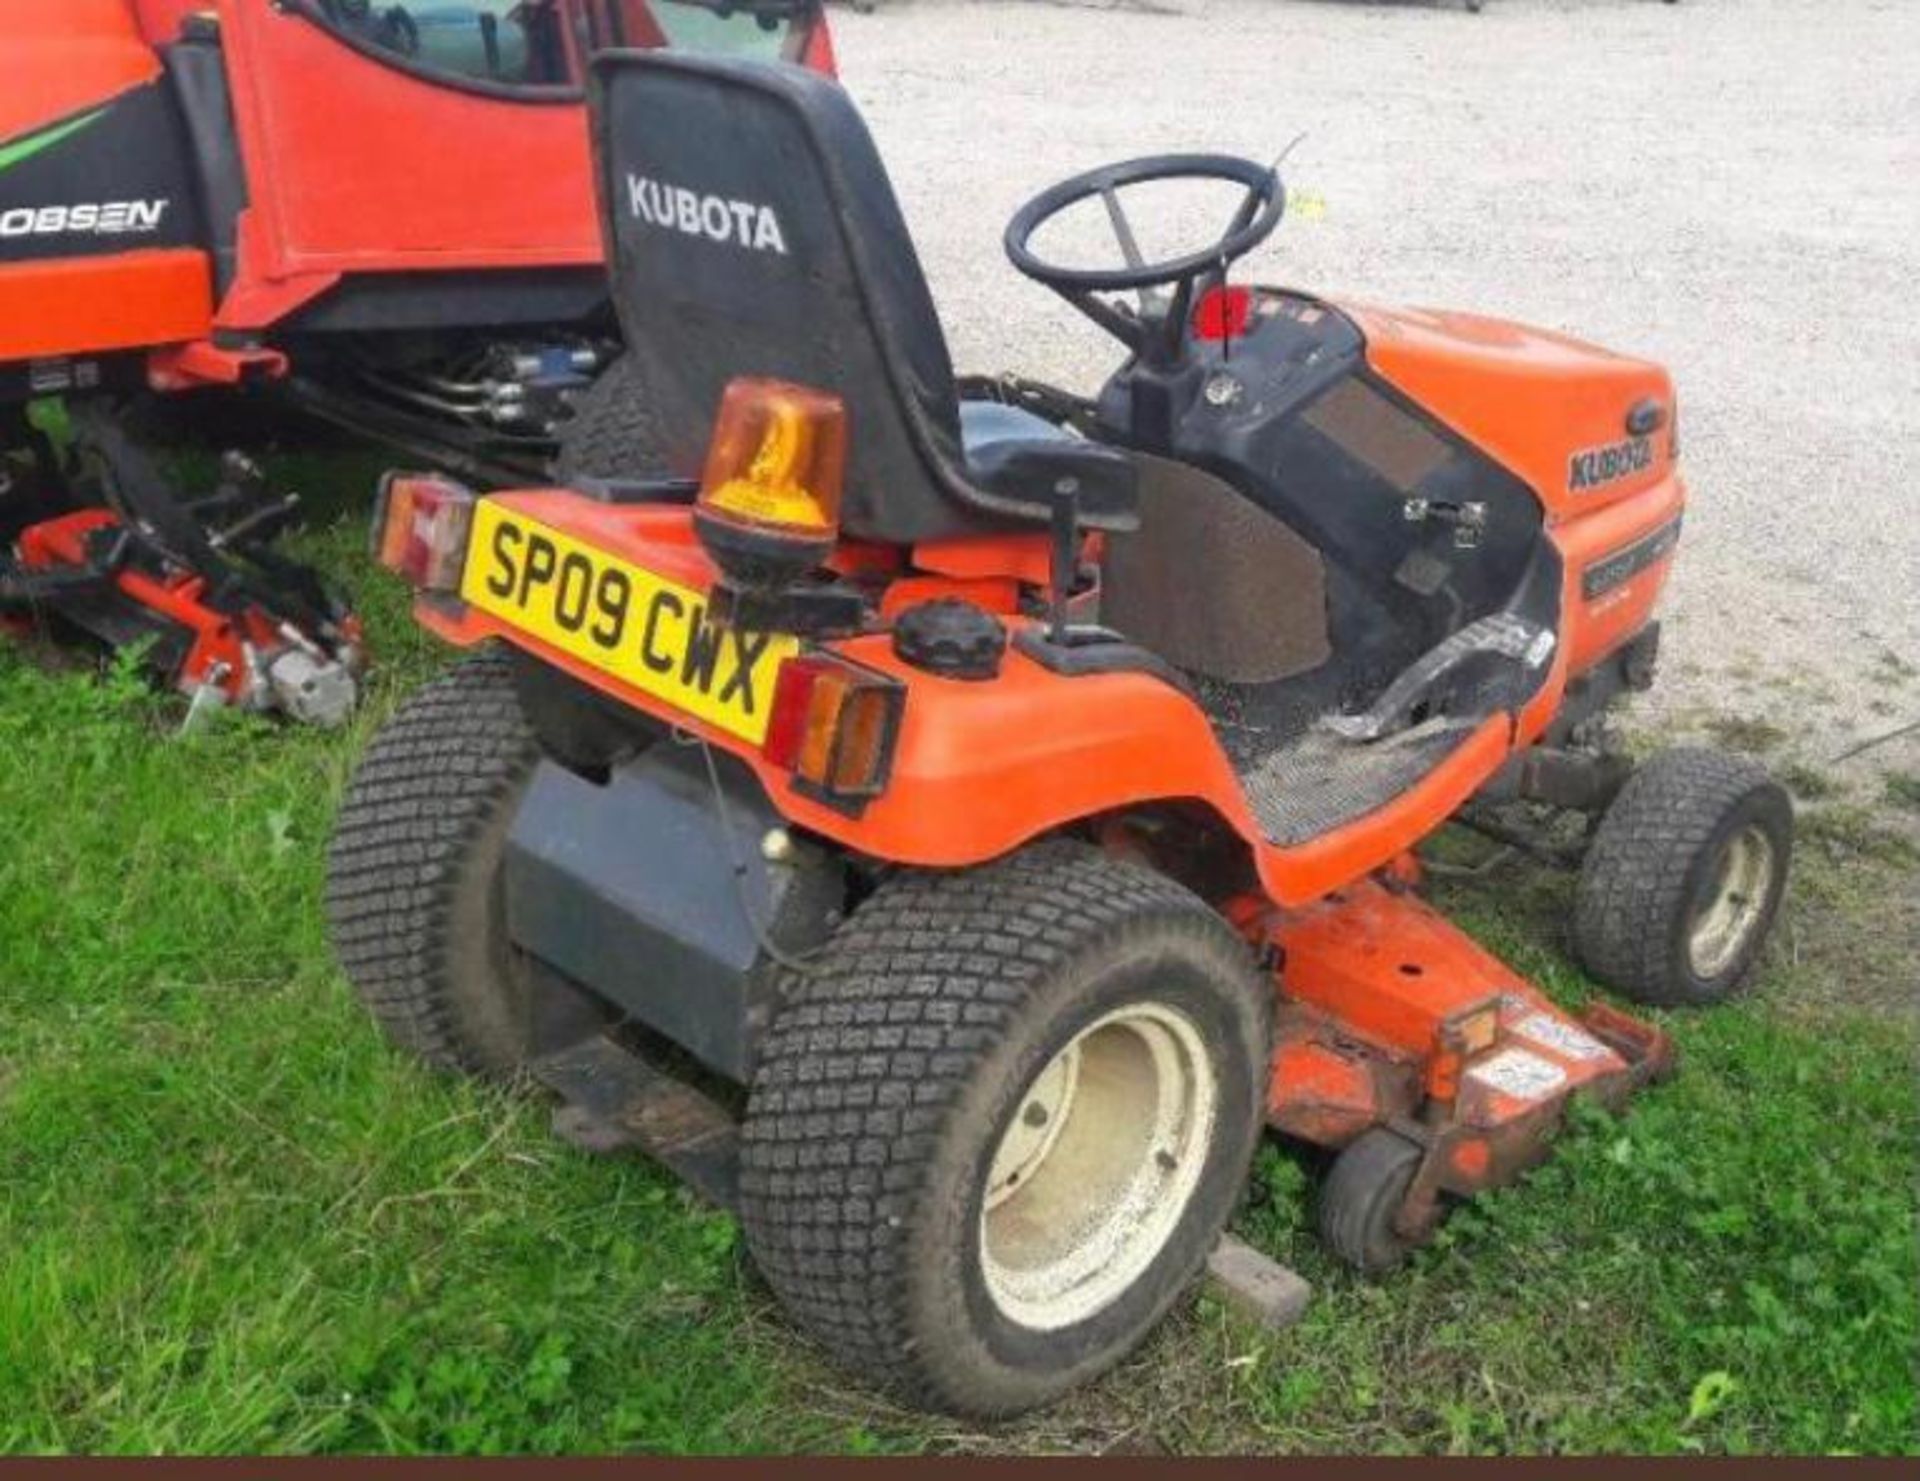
(625, 621)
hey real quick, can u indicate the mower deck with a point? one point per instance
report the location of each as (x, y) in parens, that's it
(1388, 1017)
(1391, 1016)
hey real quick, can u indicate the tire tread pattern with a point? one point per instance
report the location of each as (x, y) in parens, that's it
(864, 1065)
(615, 430)
(1634, 882)
(426, 787)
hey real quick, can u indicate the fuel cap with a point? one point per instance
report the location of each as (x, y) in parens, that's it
(952, 638)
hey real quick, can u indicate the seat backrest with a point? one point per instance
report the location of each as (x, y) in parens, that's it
(752, 230)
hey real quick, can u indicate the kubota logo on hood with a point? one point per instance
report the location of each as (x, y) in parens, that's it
(738, 223)
(1598, 465)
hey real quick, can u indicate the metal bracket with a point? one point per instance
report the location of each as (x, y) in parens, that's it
(1469, 521)
(616, 1099)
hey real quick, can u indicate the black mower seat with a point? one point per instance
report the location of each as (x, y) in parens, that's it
(984, 423)
(759, 235)
(1019, 455)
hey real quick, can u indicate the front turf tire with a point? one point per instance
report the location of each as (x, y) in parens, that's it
(892, 1110)
(413, 873)
(1684, 878)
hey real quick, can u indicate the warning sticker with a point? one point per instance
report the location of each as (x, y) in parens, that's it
(1518, 1073)
(1560, 1036)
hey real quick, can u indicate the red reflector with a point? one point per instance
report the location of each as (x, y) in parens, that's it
(792, 698)
(1223, 312)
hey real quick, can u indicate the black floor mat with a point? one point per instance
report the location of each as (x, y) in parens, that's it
(1306, 754)
(1320, 781)
(1301, 778)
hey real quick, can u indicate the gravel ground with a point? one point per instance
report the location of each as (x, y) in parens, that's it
(1727, 186)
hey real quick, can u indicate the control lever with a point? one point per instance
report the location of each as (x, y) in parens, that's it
(1064, 526)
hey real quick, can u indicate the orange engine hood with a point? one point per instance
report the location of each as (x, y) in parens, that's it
(1535, 400)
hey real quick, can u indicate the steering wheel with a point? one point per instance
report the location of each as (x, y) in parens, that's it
(1151, 331)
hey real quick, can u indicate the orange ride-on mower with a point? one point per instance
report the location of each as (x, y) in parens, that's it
(948, 829)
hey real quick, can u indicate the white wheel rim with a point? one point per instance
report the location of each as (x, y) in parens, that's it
(1725, 920)
(1096, 1166)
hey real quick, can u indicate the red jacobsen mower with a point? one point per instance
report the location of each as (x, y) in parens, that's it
(947, 821)
(380, 214)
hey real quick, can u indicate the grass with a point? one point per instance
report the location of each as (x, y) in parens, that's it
(1807, 783)
(1745, 733)
(235, 1221)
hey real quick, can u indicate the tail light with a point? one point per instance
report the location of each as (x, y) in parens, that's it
(769, 506)
(421, 523)
(833, 726)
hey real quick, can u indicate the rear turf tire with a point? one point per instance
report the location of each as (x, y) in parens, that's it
(892, 1119)
(1684, 878)
(413, 873)
(1361, 1197)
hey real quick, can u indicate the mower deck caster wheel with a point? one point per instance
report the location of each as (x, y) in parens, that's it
(1684, 878)
(1001, 1122)
(1363, 1195)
